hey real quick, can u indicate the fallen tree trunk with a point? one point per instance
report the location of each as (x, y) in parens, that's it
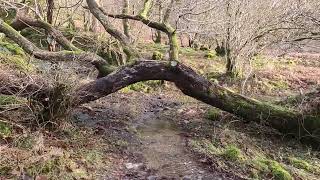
(287, 121)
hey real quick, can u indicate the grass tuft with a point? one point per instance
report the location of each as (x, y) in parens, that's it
(232, 153)
(213, 114)
(299, 163)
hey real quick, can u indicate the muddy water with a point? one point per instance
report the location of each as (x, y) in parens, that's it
(164, 150)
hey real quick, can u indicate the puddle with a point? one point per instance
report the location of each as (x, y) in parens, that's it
(164, 150)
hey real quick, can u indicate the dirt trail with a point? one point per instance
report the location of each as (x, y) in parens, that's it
(162, 146)
(158, 149)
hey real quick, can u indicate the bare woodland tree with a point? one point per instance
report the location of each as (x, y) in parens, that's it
(236, 20)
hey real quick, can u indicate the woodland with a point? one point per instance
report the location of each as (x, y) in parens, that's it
(159, 89)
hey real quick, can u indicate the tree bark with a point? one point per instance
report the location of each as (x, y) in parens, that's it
(125, 22)
(50, 40)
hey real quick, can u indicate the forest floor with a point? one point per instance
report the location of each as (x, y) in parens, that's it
(152, 131)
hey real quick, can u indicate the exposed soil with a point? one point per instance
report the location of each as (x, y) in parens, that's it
(155, 146)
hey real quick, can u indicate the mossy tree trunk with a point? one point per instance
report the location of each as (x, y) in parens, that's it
(125, 22)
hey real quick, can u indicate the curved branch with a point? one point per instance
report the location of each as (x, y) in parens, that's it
(152, 24)
(96, 11)
(194, 85)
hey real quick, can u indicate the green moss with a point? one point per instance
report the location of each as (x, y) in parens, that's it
(7, 14)
(8, 100)
(5, 170)
(210, 55)
(232, 153)
(25, 142)
(213, 114)
(14, 56)
(299, 163)
(5, 130)
(48, 167)
(146, 9)
(12, 49)
(157, 55)
(277, 170)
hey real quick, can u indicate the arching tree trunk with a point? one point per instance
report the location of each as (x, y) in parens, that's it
(288, 121)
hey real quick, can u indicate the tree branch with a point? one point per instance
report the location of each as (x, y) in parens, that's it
(103, 67)
(21, 23)
(96, 11)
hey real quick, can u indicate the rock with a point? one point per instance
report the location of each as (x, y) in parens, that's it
(133, 166)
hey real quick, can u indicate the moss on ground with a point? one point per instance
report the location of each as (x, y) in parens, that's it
(5, 130)
(278, 172)
(14, 56)
(11, 48)
(210, 55)
(9, 100)
(232, 153)
(157, 55)
(301, 164)
(214, 114)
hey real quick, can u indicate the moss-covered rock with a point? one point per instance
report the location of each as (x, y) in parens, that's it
(157, 55)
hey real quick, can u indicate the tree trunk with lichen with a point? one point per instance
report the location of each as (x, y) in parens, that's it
(50, 40)
(174, 46)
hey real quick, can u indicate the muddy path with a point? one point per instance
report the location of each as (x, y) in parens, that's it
(155, 146)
